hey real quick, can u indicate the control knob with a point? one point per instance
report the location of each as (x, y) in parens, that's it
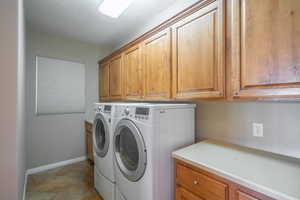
(127, 111)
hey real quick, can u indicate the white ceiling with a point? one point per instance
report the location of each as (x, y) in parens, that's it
(79, 19)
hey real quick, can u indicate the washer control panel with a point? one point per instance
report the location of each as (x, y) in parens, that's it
(103, 108)
(107, 108)
(98, 108)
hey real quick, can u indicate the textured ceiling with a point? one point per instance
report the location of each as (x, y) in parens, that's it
(79, 19)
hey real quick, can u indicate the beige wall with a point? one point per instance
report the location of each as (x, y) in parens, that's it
(54, 138)
(12, 146)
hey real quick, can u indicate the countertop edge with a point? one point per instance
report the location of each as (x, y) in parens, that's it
(256, 187)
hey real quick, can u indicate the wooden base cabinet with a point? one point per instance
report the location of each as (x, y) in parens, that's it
(265, 49)
(90, 175)
(90, 154)
(193, 183)
(182, 194)
(89, 141)
(244, 196)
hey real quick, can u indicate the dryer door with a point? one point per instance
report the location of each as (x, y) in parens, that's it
(130, 150)
(101, 135)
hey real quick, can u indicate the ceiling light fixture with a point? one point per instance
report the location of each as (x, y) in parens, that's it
(114, 8)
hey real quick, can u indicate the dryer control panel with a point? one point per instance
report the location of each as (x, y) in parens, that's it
(141, 113)
(137, 113)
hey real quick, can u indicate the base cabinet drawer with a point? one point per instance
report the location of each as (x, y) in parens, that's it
(201, 185)
(182, 194)
(243, 196)
(193, 183)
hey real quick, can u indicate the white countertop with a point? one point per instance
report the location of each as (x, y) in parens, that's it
(273, 175)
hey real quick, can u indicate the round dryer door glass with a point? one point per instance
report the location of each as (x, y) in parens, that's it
(101, 135)
(130, 150)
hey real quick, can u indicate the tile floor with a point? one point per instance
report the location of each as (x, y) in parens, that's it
(70, 182)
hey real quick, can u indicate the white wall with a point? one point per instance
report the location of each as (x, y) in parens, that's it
(12, 146)
(54, 138)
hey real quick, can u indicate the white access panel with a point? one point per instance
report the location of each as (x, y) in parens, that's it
(60, 86)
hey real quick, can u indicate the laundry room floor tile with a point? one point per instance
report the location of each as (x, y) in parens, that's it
(65, 183)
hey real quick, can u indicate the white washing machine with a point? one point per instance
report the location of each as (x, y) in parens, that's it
(144, 138)
(103, 150)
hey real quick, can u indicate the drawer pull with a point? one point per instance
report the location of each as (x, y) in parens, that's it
(196, 182)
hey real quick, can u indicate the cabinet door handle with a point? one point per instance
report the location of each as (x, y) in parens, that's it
(195, 182)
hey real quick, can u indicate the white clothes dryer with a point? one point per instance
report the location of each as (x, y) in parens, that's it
(145, 136)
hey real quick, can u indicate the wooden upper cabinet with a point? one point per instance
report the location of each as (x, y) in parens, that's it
(157, 66)
(265, 43)
(104, 81)
(115, 77)
(198, 54)
(133, 84)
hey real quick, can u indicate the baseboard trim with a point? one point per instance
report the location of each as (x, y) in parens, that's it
(55, 165)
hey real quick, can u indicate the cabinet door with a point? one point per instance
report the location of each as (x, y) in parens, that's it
(265, 49)
(133, 73)
(104, 81)
(157, 66)
(182, 194)
(115, 78)
(198, 54)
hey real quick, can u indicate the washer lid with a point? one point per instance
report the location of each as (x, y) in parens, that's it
(101, 135)
(130, 150)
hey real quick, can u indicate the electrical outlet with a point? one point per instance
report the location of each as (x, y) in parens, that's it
(258, 130)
